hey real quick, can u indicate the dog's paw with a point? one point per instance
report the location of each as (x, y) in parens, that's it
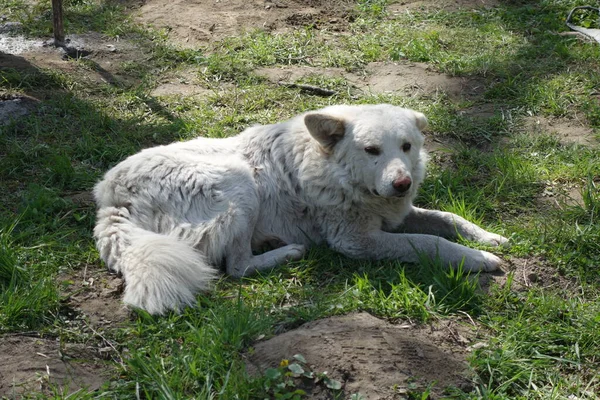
(294, 252)
(482, 261)
(491, 262)
(493, 239)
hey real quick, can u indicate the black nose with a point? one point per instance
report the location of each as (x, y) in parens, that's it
(402, 184)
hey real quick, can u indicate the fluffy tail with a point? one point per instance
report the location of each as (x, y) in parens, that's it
(161, 272)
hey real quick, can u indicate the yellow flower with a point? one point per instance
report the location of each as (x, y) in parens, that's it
(284, 363)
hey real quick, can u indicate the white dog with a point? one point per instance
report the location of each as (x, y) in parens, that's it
(169, 216)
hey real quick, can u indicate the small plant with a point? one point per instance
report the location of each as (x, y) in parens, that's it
(282, 382)
(373, 8)
(414, 393)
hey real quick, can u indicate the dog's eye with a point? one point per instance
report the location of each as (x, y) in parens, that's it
(406, 147)
(372, 150)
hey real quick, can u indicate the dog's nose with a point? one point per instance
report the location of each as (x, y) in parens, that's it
(402, 184)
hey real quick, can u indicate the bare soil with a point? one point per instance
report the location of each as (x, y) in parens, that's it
(404, 6)
(372, 357)
(420, 80)
(568, 131)
(43, 364)
(95, 295)
(558, 195)
(524, 273)
(195, 23)
(180, 83)
(409, 78)
(30, 362)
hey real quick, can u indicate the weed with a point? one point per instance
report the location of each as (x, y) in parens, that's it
(282, 382)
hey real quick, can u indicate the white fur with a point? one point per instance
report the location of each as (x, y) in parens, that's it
(169, 216)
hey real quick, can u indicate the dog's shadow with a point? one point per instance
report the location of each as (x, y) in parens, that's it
(325, 279)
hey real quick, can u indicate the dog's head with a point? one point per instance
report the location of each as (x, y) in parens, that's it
(380, 146)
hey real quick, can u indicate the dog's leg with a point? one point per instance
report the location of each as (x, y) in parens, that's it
(239, 259)
(245, 263)
(447, 225)
(229, 236)
(407, 247)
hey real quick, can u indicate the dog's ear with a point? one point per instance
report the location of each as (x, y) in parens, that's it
(421, 120)
(326, 129)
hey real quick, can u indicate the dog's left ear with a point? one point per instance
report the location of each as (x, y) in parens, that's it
(326, 129)
(421, 120)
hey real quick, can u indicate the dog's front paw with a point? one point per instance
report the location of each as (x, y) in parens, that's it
(482, 261)
(493, 239)
(491, 262)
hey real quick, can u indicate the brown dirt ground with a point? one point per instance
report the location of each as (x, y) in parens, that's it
(412, 79)
(560, 196)
(35, 363)
(104, 56)
(525, 273)
(95, 295)
(372, 357)
(183, 83)
(404, 6)
(194, 23)
(566, 130)
(30, 362)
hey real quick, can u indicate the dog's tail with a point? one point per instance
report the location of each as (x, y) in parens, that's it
(161, 272)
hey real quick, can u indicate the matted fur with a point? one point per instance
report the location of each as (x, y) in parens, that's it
(170, 216)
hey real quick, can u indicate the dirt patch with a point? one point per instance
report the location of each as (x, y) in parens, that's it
(12, 42)
(418, 80)
(18, 44)
(40, 364)
(193, 24)
(95, 296)
(294, 73)
(525, 273)
(447, 5)
(372, 357)
(484, 110)
(560, 195)
(181, 83)
(32, 363)
(436, 145)
(411, 79)
(442, 150)
(178, 87)
(567, 131)
(101, 58)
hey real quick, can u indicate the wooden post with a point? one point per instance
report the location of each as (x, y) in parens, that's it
(59, 30)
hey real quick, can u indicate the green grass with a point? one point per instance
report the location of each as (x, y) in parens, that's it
(539, 343)
(543, 343)
(28, 297)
